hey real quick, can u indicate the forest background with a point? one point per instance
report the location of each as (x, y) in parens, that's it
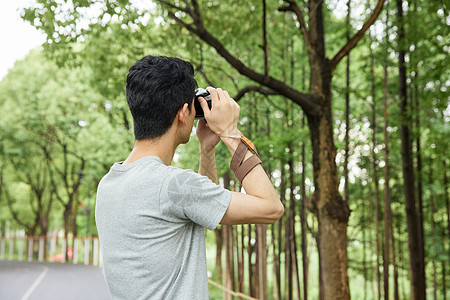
(353, 141)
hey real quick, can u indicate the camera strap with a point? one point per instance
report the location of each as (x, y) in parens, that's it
(238, 166)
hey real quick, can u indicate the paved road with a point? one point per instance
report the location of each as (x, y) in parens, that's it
(51, 281)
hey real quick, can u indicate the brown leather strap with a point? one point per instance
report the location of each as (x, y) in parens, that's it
(238, 156)
(247, 166)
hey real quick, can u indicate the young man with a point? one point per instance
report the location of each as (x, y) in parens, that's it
(150, 215)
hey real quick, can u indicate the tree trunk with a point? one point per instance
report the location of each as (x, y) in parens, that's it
(387, 190)
(303, 204)
(251, 277)
(280, 226)
(262, 261)
(67, 213)
(394, 261)
(303, 223)
(447, 204)
(291, 262)
(388, 219)
(433, 230)
(347, 107)
(375, 174)
(331, 210)
(416, 259)
(421, 236)
(444, 281)
(292, 237)
(364, 260)
(238, 258)
(229, 272)
(276, 264)
(219, 246)
(241, 269)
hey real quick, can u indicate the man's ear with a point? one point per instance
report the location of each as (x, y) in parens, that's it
(183, 113)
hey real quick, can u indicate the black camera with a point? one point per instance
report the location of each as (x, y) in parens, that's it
(199, 114)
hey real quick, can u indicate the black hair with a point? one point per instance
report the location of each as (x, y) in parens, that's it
(157, 87)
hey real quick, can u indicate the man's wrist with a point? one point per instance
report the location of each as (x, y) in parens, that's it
(231, 143)
(207, 149)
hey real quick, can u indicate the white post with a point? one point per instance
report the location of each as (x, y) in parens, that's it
(30, 249)
(75, 250)
(100, 261)
(52, 248)
(86, 250)
(64, 250)
(41, 249)
(11, 247)
(2, 249)
(21, 241)
(95, 259)
(7, 233)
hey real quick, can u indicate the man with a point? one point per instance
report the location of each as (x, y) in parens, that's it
(150, 215)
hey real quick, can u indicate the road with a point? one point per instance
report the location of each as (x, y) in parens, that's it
(51, 281)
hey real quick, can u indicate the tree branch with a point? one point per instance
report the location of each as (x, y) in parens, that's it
(254, 88)
(11, 210)
(306, 101)
(273, 104)
(301, 19)
(183, 9)
(264, 46)
(355, 39)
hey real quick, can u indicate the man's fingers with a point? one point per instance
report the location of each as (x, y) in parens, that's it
(227, 95)
(204, 105)
(213, 92)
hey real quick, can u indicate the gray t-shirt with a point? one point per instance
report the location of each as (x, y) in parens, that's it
(150, 219)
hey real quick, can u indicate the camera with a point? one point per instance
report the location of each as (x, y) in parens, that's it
(199, 114)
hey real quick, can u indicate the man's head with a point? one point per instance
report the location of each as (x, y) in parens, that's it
(157, 88)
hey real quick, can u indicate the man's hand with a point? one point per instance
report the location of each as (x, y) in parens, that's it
(208, 139)
(223, 117)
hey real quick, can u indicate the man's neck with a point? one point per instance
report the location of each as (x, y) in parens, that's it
(163, 147)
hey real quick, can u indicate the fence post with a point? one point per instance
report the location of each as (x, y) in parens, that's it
(30, 249)
(11, 248)
(100, 258)
(21, 242)
(2, 248)
(52, 248)
(75, 251)
(95, 259)
(41, 249)
(86, 250)
(64, 250)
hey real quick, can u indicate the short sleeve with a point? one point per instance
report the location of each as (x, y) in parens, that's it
(197, 197)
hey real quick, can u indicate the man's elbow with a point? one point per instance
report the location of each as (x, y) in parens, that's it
(277, 213)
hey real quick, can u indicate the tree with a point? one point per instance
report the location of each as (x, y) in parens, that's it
(416, 256)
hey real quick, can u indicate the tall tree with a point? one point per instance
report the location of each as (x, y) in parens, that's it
(416, 258)
(347, 105)
(375, 175)
(388, 219)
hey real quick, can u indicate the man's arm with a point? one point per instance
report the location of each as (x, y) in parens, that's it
(207, 165)
(208, 141)
(260, 204)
